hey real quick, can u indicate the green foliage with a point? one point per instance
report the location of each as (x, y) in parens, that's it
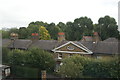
(62, 26)
(41, 59)
(23, 33)
(25, 72)
(53, 30)
(5, 57)
(33, 57)
(5, 34)
(103, 68)
(71, 70)
(107, 27)
(69, 31)
(13, 30)
(16, 57)
(89, 67)
(73, 67)
(81, 26)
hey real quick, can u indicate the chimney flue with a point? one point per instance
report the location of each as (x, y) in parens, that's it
(61, 36)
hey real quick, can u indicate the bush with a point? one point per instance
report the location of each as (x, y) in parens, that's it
(5, 56)
(33, 57)
(82, 67)
(25, 72)
(73, 67)
(41, 59)
(16, 57)
(102, 68)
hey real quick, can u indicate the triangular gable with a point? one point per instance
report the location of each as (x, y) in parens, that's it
(80, 46)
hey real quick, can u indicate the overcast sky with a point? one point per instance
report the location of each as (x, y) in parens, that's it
(19, 13)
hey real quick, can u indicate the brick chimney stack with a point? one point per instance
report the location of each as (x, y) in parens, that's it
(96, 37)
(35, 36)
(61, 36)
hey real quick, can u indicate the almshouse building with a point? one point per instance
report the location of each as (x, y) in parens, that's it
(61, 48)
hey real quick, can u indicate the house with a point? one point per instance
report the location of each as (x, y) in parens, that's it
(61, 48)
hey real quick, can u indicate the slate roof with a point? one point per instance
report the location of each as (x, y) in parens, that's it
(44, 44)
(6, 42)
(87, 38)
(105, 47)
(108, 46)
(20, 44)
(111, 40)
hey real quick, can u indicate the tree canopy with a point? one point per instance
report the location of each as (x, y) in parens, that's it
(106, 27)
(34, 57)
(44, 34)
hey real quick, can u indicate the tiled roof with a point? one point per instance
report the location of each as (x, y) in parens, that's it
(6, 42)
(108, 46)
(44, 44)
(111, 40)
(20, 44)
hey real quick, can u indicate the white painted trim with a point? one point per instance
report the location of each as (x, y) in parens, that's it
(83, 47)
(63, 45)
(59, 56)
(72, 52)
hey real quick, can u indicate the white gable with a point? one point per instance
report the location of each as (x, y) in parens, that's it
(79, 46)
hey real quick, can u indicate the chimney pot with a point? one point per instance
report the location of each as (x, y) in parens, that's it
(95, 33)
(61, 36)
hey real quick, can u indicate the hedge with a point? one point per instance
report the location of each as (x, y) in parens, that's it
(99, 68)
(91, 68)
(25, 72)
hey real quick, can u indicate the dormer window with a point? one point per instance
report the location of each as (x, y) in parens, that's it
(70, 47)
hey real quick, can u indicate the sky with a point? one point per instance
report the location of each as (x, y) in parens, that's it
(19, 13)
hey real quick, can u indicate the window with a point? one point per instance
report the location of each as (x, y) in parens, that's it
(59, 55)
(70, 47)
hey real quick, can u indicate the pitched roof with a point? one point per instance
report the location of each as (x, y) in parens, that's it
(44, 44)
(111, 40)
(108, 46)
(102, 47)
(6, 42)
(87, 38)
(20, 44)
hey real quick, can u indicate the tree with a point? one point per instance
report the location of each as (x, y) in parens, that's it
(80, 27)
(62, 26)
(5, 57)
(16, 57)
(85, 24)
(5, 34)
(107, 27)
(33, 57)
(13, 30)
(23, 33)
(44, 34)
(41, 59)
(71, 70)
(73, 67)
(53, 30)
(33, 27)
(69, 31)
